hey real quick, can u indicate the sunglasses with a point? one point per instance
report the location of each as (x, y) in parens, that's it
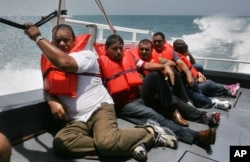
(58, 40)
(158, 41)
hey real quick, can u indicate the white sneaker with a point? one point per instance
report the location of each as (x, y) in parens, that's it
(140, 153)
(224, 105)
(161, 136)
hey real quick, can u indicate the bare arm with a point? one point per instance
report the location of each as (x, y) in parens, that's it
(168, 62)
(56, 56)
(184, 68)
(167, 70)
(192, 59)
(56, 108)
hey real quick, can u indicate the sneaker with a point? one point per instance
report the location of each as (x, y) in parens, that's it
(223, 105)
(212, 119)
(233, 89)
(140, 153)
(161, 137)
(231, 85)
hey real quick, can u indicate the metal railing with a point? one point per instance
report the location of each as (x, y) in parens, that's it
(238, 66)
(97, 32)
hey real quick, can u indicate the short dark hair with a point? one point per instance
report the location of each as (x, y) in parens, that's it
(61, 26)
(145, 41)
(112, 39)
(180, 46)
(159, 33)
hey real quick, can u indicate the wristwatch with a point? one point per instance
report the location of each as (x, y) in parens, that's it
(39, 38)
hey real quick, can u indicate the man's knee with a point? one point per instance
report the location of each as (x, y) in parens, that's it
(62, 147)
(105, 145)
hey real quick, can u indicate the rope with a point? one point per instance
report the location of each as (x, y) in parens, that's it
(99, 4)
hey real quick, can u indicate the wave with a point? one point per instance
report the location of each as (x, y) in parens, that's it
(220, 36)
(15, 80)
(217, 36)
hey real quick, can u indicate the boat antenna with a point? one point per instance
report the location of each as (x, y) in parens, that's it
(99, 4)
(59, 12)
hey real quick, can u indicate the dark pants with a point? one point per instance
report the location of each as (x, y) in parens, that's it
(198, 98)
(138, 113)
(179, 90)
(212, 89)
(155, 85)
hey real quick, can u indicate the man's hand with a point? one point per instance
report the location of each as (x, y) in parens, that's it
(171, 63)
(201, 78)
(32, 31)
(169, 73)
(190, 79)
(57, 110)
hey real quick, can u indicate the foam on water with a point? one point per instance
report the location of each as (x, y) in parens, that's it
(221, 36)
(217, 36)
(21, 80)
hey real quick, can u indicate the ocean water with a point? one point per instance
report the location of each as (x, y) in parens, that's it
(216, 36)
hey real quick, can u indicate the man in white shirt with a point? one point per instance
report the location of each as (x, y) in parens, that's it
(91, 130)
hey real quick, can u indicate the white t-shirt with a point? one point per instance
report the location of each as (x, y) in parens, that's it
(90, 91)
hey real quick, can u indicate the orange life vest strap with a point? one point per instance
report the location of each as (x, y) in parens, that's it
(87, 74)
(118, 74)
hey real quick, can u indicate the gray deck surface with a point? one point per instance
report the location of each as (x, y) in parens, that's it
(234, 129)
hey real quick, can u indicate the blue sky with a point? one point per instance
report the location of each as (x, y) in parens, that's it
(132, 7)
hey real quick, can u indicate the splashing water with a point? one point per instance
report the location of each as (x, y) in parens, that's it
(217, 36)
(221, 37)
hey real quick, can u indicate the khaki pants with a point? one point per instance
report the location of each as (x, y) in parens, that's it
(99, 137)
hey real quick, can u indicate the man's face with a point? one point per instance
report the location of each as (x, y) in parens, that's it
(115, 51)
(145, 51)
(63, 39)
(158, 43)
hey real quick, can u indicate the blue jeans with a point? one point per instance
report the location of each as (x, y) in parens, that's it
(198, 98)
(198, 67)
(212, 89)
(138, 113)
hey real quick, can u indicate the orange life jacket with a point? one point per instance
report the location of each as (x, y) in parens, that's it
(57, 82)
(189, 65)
(100, 48)
(152, 58)
(118, 76)
(166, 53)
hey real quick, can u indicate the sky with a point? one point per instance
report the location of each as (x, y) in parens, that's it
(128, 7)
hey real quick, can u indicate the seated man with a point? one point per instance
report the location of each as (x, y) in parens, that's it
(156, 89)
(5, 148)
(91, 130)
(207, 87)
(165, 50)
(119, 69)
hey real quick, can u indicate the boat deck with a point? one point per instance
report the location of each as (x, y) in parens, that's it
(234, 130)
